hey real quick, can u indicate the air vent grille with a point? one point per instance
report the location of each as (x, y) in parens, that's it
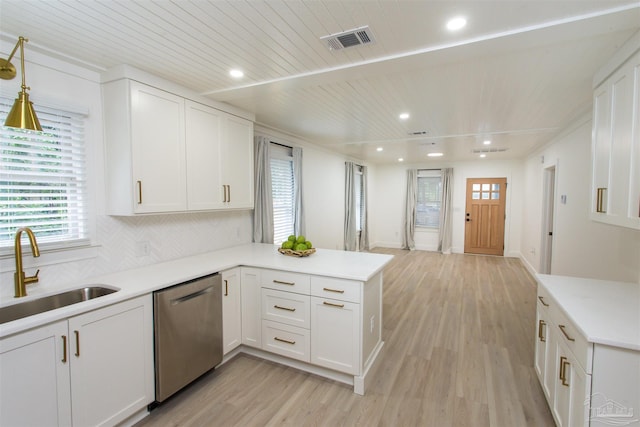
(418, 133)
(351, 38)
(489, 150)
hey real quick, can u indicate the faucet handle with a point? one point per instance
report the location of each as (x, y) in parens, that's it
(32, 279)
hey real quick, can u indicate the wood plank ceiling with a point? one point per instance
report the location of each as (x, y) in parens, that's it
(519, 72)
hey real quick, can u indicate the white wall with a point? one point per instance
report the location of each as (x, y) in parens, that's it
(581, 247)
(114, 239)
(390, 188)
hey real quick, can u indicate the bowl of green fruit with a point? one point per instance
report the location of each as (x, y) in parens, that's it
(296, 246)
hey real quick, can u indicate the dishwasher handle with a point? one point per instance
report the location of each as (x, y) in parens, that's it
(185, 298)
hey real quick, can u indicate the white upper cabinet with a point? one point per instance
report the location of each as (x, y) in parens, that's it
(166, 153)
(615, 196)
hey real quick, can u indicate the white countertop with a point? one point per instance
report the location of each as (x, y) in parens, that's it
(605, 312)
(357, 266)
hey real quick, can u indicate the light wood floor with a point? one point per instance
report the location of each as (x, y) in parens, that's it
(459, 334)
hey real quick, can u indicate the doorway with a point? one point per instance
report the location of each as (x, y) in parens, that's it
(485, 216)
(548, 203)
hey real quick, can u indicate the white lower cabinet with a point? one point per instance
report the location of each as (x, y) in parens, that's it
(251, 307)
(231, 310)
(34, 379)
(572, 389)
(335, 336)
(90, 370)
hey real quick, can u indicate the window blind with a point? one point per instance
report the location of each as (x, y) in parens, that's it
(429, 198)
(282, 191)
(43, 179)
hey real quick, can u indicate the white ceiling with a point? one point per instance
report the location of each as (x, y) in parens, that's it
(518, 73)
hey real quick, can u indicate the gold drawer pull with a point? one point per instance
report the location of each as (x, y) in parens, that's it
(542, 301)
(64, 349)
(226, 288)
(333, 305)
(77, 333)
(561, 376)
(563, 368)
(139, 192)
(565, 333)
(284, 308)
(284, 341)
(279, 282)
(541, 325)
(600, 200)
(338, 291)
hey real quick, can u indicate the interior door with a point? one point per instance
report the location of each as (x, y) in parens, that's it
(484, 217)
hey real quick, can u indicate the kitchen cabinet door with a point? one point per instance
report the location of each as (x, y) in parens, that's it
(203, 139)
(34, 378)
(236, 162)
(251, 307)
(231, 310)
(158, 147)
(616, 147)
(335, 335)
(145, 149)
(111, 353)
(542, 345)
(573, 389)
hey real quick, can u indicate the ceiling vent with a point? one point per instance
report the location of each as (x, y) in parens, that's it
(351, 38)
(489, 150)
(418, 133)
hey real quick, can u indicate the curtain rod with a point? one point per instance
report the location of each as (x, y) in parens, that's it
(281, 145)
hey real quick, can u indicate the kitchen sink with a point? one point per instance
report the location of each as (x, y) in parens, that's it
(51, 302)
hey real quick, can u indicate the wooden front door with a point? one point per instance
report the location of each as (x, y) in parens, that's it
(484, 216)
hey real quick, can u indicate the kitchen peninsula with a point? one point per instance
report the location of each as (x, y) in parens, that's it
(335, 330)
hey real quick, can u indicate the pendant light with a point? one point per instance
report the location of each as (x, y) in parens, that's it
(22, 114)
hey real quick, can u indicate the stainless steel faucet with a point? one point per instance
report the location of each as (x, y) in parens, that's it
(20, 280)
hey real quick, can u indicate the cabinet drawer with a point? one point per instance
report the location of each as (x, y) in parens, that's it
(285, 307)
(573, 339)
(286, 340)
(343, 290)
(285, 281)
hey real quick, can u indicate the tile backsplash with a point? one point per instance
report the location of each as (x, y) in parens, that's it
(123, 243)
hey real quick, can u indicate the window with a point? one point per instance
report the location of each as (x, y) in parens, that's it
(282, 192)
(429, 198)
(359, 198)
(42, 180)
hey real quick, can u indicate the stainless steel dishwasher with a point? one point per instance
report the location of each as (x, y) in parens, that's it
(188, 332)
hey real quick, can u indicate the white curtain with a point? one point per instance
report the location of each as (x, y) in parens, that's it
(364, 224)
(350, 231)
(263, 207)
(444, 237)
(298, 220)
(409, 226)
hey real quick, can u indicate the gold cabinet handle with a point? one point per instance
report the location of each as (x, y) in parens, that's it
(284, 341)
(226, 288)
(332, 304)
(77, 333)
(229, 193)
(64, 349)
(565, 333)
(284, 308)
(562, 360)
(139, 192)
(565, 363)
(600, 199)
(541, 325)
(542, 301)
(338, 291)
(279, 282)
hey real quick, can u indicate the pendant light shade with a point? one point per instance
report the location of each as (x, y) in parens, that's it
(22, 114)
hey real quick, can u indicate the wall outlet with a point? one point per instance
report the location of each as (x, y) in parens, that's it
(143, 248)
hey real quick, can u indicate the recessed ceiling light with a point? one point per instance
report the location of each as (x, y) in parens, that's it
(456, 23)
(379, 149)
(401, 159)
(435, 154)
(236, 73)
(487, 142)
(404, 116)
(482, 156)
